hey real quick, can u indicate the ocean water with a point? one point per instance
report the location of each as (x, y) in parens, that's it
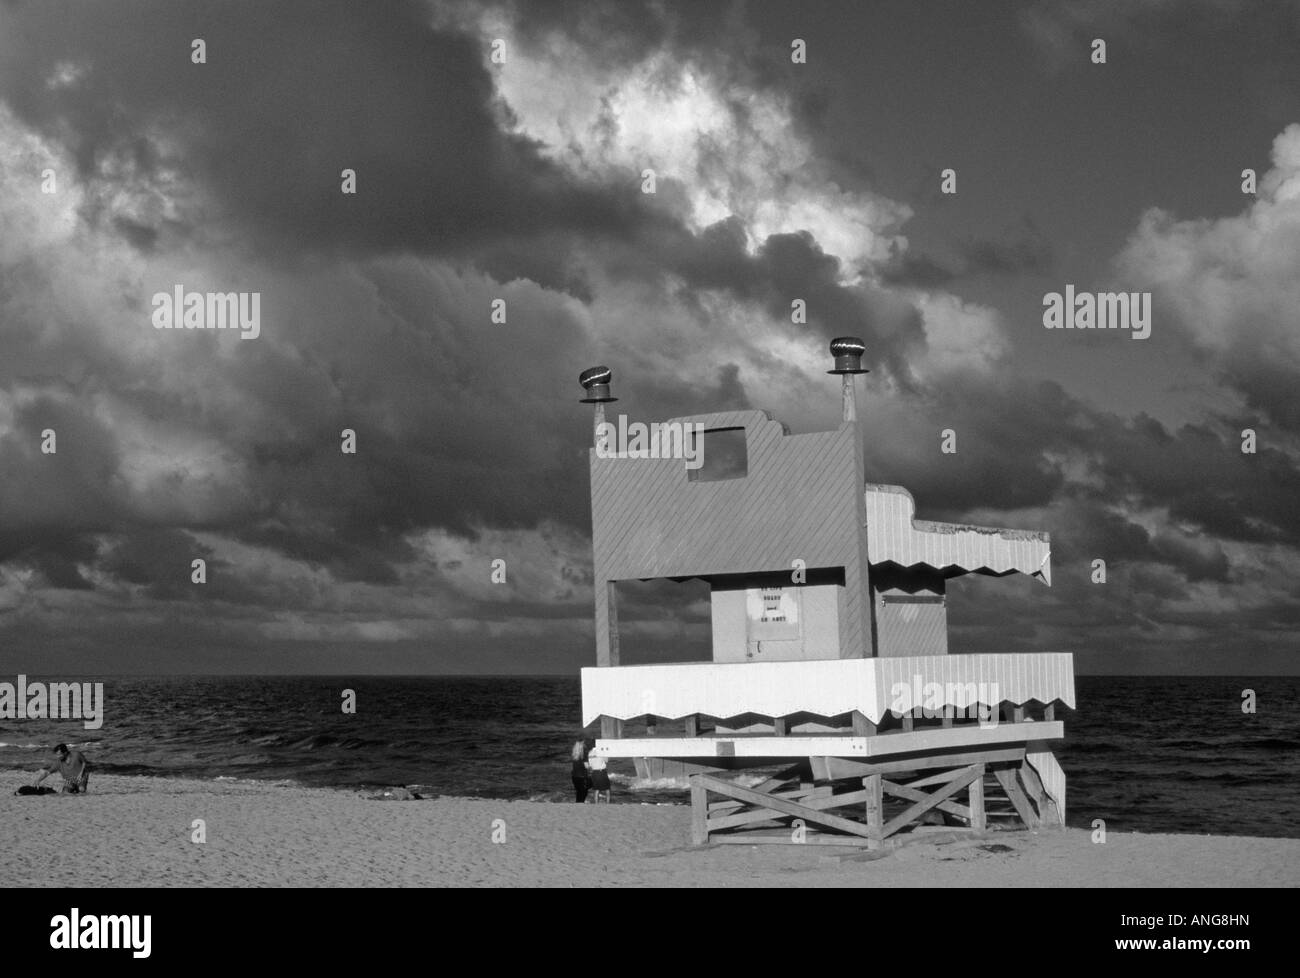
(1147, 754)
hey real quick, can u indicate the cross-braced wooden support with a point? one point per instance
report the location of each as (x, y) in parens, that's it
(863, 804)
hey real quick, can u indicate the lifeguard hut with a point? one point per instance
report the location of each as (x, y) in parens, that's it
(830, 665)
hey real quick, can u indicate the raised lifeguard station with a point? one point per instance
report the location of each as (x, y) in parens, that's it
(830, 664)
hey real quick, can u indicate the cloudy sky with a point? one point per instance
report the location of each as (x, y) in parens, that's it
(520, 179)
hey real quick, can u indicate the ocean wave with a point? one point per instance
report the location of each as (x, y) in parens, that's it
(651, 784)
(74, 744)
(338, 741)
(1270, 743)
(273, 782)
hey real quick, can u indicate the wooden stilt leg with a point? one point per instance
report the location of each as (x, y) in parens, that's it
(978, 820)
(875, 807)
(699, 812)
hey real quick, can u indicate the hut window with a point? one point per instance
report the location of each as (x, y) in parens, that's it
(722, 455)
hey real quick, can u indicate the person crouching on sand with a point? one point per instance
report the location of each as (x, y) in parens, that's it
(72, 764)
(581, 781)
(599, 778)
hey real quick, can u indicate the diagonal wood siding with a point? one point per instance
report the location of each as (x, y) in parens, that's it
(800, 500)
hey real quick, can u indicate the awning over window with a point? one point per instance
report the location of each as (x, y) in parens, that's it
(893, 534)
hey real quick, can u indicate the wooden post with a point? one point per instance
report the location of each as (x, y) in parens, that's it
(978, 820)
(875, 806)
(857, 633)
(862, 727)
(1049, 711)
(948, 712)
(1019, 714)
(699, 812)
(778, 726)
(613, 624)
(907, 722)
(606, 623)
(691, 725)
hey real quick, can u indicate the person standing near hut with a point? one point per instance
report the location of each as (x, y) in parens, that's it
(581, 779)
(599, 778)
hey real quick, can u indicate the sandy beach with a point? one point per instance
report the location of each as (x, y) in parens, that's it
(135, 831)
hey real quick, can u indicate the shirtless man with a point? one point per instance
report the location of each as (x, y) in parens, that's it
(74, 768)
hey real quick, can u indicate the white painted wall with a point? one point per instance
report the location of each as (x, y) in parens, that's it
(737, 638)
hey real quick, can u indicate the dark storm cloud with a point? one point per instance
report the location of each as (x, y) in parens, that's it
(1019, 251)
(348, 552)
(159, 559)
(913, 268)
(1087, 529)
(57, 559)
(1196, 564)
(547, 258)
(291, 94)
(1052, 21)
(786, 267)
(1268, 385)
(1004, 435)
(1203, 477)
(1011, 254)
(70, 489)
(1062, 28)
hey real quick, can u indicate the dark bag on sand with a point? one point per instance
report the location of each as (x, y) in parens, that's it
(28, 789)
